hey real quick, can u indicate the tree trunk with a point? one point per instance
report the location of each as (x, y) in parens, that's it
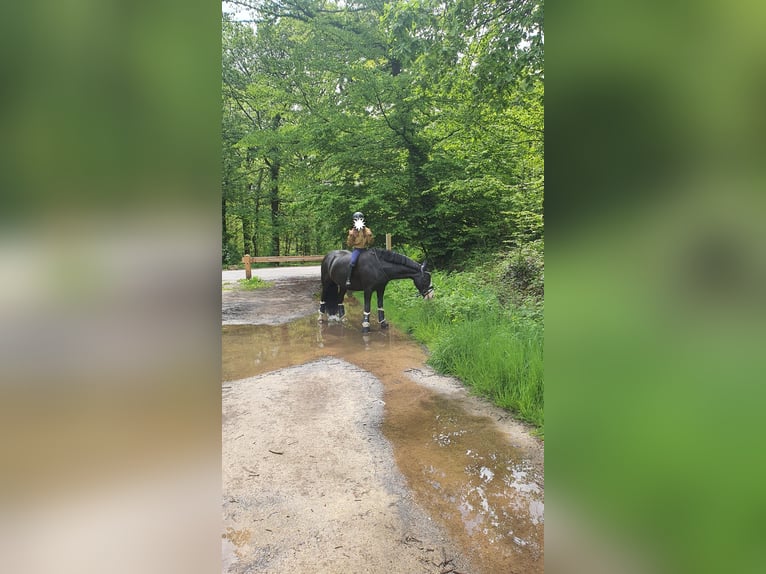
(274, 196)
(257, 212)
(274, 167)
(225, 236)
(247, 234)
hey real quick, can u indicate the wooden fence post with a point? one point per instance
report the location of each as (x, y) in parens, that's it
(248, 270)
(388, 241)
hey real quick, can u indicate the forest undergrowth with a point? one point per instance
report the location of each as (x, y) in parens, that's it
(484, 326)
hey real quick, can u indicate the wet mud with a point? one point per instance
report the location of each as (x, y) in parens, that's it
(461, 468)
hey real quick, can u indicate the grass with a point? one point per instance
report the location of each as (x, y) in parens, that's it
(494, 347)
(499, 359)
(253, 283)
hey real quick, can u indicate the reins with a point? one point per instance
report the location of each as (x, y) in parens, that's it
(380, 264)
(399, 259)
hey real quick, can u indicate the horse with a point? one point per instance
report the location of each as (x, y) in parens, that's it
(373, 270)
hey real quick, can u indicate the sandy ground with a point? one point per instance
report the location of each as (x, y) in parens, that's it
(310, 484)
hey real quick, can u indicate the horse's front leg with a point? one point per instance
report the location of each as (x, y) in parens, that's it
(366, 318)
(381, 313)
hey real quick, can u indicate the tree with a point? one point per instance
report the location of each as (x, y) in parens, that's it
(426, 116)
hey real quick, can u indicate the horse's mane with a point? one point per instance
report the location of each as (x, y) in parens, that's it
(396, 258)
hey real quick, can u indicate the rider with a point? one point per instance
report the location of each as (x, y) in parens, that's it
(359, 238)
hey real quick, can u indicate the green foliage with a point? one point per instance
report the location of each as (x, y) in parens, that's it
(253, 283)
(522, 276)
(426, 116)
(232, 254)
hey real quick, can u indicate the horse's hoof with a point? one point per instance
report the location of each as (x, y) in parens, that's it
(365, 330)
(384, 325)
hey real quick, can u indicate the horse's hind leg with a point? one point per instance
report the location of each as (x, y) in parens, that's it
(341, 306)
(366, 318)
(381, 313)
(328, 304)
(322, 303)
(322, 307)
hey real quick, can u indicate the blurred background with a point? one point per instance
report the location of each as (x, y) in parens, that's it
(109, 286)
(656, 273)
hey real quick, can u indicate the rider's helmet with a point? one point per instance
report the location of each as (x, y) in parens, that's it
(358, 221)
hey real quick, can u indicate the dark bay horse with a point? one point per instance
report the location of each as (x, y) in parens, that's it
(373, 270)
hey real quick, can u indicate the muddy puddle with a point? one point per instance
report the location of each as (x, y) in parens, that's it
(460, 467)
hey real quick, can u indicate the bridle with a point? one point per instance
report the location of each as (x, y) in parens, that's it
(430, 289)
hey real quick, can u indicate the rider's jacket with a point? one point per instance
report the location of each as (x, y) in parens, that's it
(359, 238)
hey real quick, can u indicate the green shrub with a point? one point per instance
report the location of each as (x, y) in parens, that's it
(253, 283)
(232, 254)
(523, 270)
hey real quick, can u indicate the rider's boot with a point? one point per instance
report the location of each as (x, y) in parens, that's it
(348, 276)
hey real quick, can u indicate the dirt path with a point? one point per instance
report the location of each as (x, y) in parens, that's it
(290, 296)
(344, 453)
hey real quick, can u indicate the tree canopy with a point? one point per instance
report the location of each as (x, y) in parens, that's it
(427, 116)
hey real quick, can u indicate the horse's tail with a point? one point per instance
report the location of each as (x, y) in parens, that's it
(330, 289)
(331, 296)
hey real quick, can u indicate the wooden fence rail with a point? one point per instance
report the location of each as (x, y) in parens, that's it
(248, 261)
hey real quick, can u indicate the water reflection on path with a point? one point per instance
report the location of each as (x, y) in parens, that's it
(460, 468)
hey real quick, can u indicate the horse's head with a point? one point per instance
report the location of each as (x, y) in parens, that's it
(423, 283)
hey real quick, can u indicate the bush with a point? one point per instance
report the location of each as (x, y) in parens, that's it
(524, 270)
(254, 283)
(232, 254)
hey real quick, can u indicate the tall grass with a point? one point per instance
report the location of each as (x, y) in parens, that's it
(499, 359)
(474, 332)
